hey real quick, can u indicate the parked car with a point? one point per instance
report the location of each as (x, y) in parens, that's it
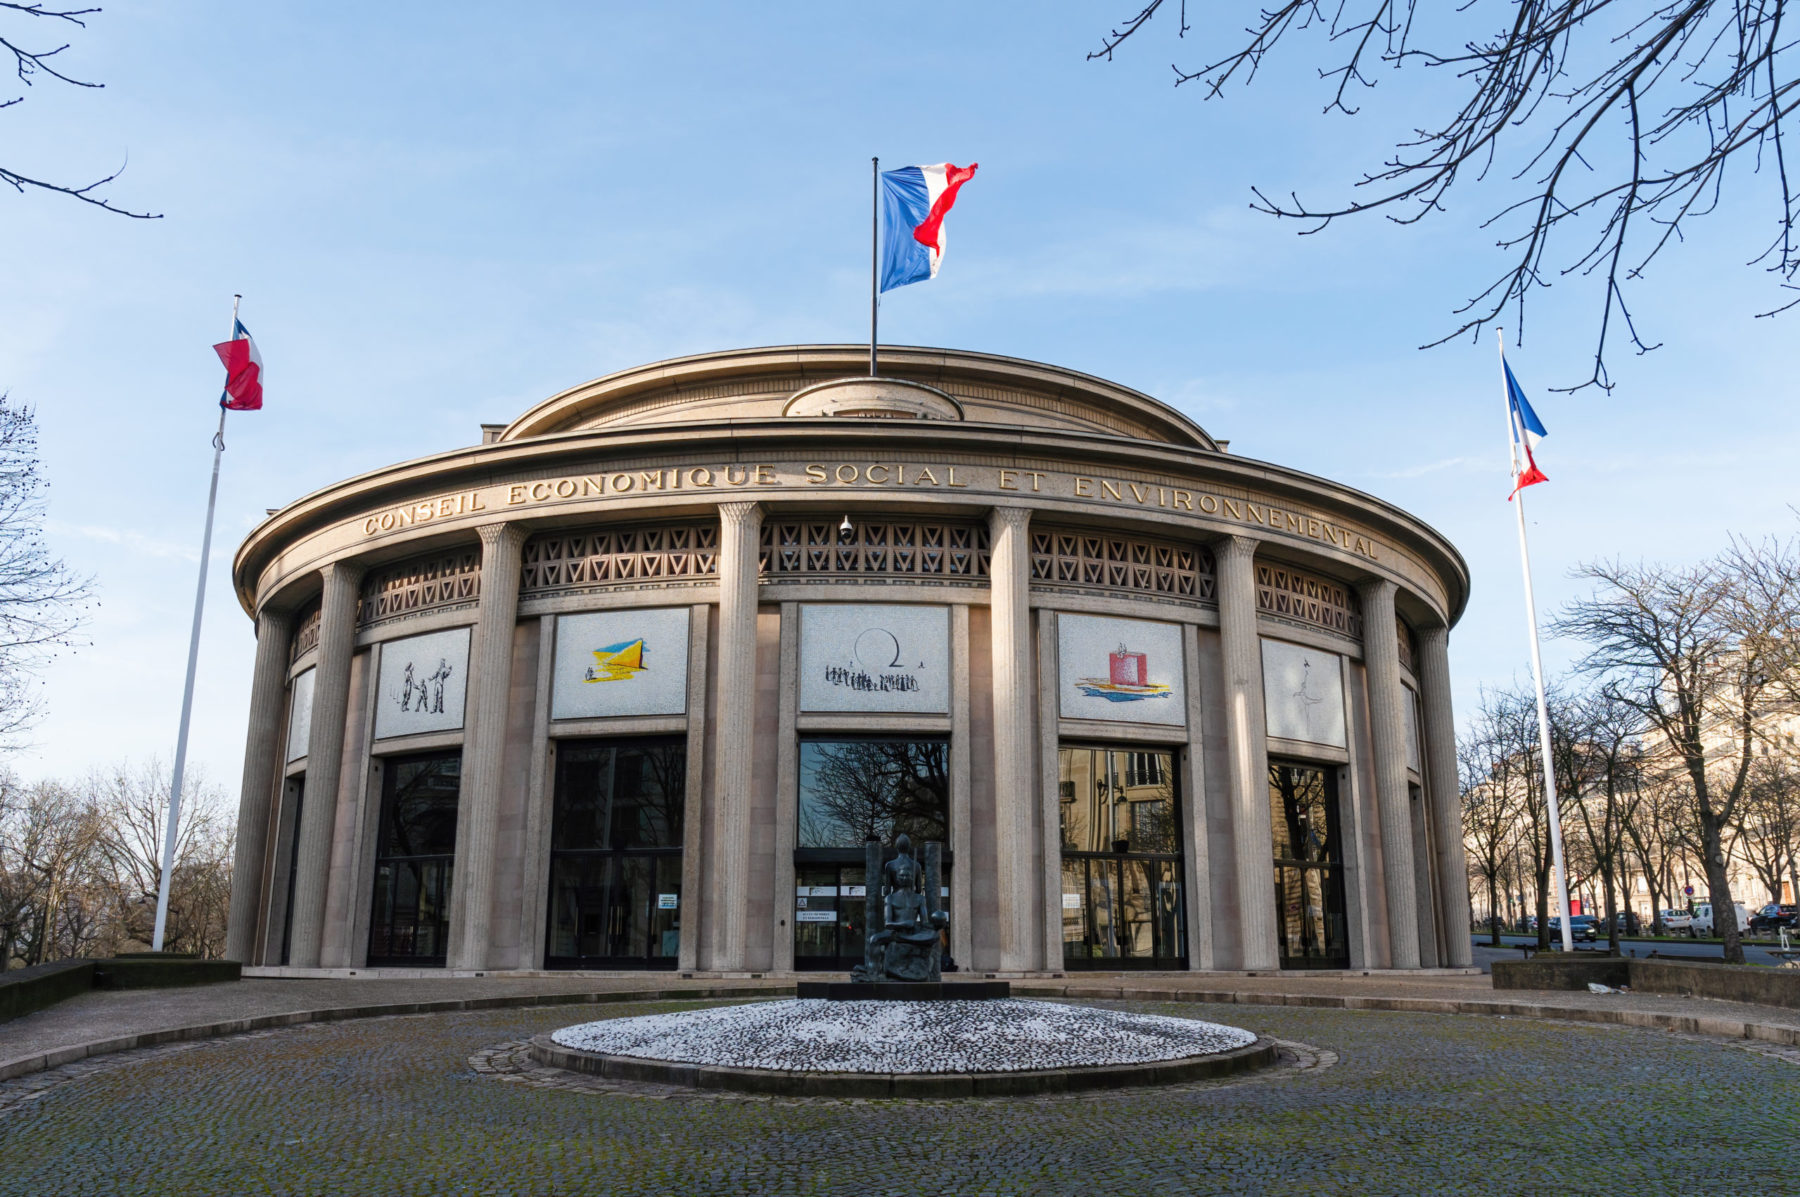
(1702, 925)
(1676, 921)
(1772, 918)
(1582, 926)
(1628, 923)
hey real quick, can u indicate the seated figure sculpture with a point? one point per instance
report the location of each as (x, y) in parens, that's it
(905, 946)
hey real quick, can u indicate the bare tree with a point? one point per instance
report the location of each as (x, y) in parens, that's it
(133, 805)
(42, 602)
(1608, 129)
(1769, 820)
(1691, 650)
(30, 65)
(1489, 810)
(49, 838)
(1611, 728)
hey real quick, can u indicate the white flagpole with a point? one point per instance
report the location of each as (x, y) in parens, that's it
(187, 695)
(1514, 434)
(874, 254)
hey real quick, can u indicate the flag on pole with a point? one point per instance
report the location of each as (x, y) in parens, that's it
(914, 202)
(243, 371)
(1527, 433)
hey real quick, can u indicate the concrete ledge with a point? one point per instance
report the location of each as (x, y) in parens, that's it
(1549, 971)
(1727, 982)
(56, 1057)
(921, 1085)
(40, 985)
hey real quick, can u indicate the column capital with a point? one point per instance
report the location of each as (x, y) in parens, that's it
(1016, 519)
(1434, 635)
(1378, 590)
(493, 534)
(1236, 547)
(742, 512)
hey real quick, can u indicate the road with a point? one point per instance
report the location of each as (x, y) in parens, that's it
(1753, 954)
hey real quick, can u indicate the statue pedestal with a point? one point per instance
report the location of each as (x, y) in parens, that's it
(905, 991)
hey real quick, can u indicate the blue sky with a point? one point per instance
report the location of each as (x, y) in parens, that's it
(440, 214)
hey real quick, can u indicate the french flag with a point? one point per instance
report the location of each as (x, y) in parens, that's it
(1527, 433)
(243, 370)
(914, 202)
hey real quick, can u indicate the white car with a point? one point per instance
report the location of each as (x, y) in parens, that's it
(1702, 925)
(1676, 920)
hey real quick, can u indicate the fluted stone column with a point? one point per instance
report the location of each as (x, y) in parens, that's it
(1387, 727)
(1009, 574)
(484, 743)
(1247, 747)
(324, 759)
(262, 756)
(1443, 793)
(740, 548)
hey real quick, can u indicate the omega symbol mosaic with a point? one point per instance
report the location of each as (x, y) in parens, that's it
(621, 663)
(866, 658)
(1120, 670)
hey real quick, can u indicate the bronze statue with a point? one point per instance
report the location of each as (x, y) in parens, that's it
(904, 916)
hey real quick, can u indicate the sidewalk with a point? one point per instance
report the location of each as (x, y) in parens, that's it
(118, 1020)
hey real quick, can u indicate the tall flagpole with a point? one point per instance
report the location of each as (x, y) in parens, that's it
(874, 254)
(193, 661)
(1514, 434)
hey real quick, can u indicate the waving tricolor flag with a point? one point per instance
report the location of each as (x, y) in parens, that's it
(1527, 433)
(914, 202)
(243, 370)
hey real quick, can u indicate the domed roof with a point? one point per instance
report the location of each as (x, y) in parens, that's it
(833, 380)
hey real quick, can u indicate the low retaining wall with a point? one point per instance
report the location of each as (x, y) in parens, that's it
(1549, 971)
(1751, 984)
(28, 989)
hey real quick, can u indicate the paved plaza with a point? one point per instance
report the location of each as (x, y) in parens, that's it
(1366, 1102)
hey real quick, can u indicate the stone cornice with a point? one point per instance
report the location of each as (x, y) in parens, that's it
(1109, 463)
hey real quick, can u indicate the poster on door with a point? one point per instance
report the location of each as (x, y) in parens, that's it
(300, 716)
(864, 657)
(621, 663)
(422, 684)
(1120, 670)
(1303, 693)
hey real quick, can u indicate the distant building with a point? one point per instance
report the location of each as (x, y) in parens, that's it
(626, 686)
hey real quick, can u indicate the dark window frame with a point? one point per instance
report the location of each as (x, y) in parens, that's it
(1332, 867)
(440, 866)
(614, 858)
(1115, 862)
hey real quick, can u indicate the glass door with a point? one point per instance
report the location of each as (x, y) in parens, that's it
(1121, 860)
(410, 920)
(1310, 915)
(615, 854)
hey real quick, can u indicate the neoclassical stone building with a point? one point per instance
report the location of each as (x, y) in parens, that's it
(626, 686)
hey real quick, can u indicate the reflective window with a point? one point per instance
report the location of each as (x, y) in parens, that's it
(1122, 902)
(615, 854)
(1309, 876)
(410, 919)
(852, 789)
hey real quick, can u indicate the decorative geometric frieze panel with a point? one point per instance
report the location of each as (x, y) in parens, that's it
(434, 582)
(306, 635)
(1307, 599)
(1114, 564)
(598, 558)
(939, 550)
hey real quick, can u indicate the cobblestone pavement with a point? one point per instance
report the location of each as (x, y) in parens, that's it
(1413, 1104)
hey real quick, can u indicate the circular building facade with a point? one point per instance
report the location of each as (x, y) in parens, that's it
(627, 685)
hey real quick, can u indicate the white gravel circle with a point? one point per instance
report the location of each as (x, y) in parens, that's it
(813, 1035)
